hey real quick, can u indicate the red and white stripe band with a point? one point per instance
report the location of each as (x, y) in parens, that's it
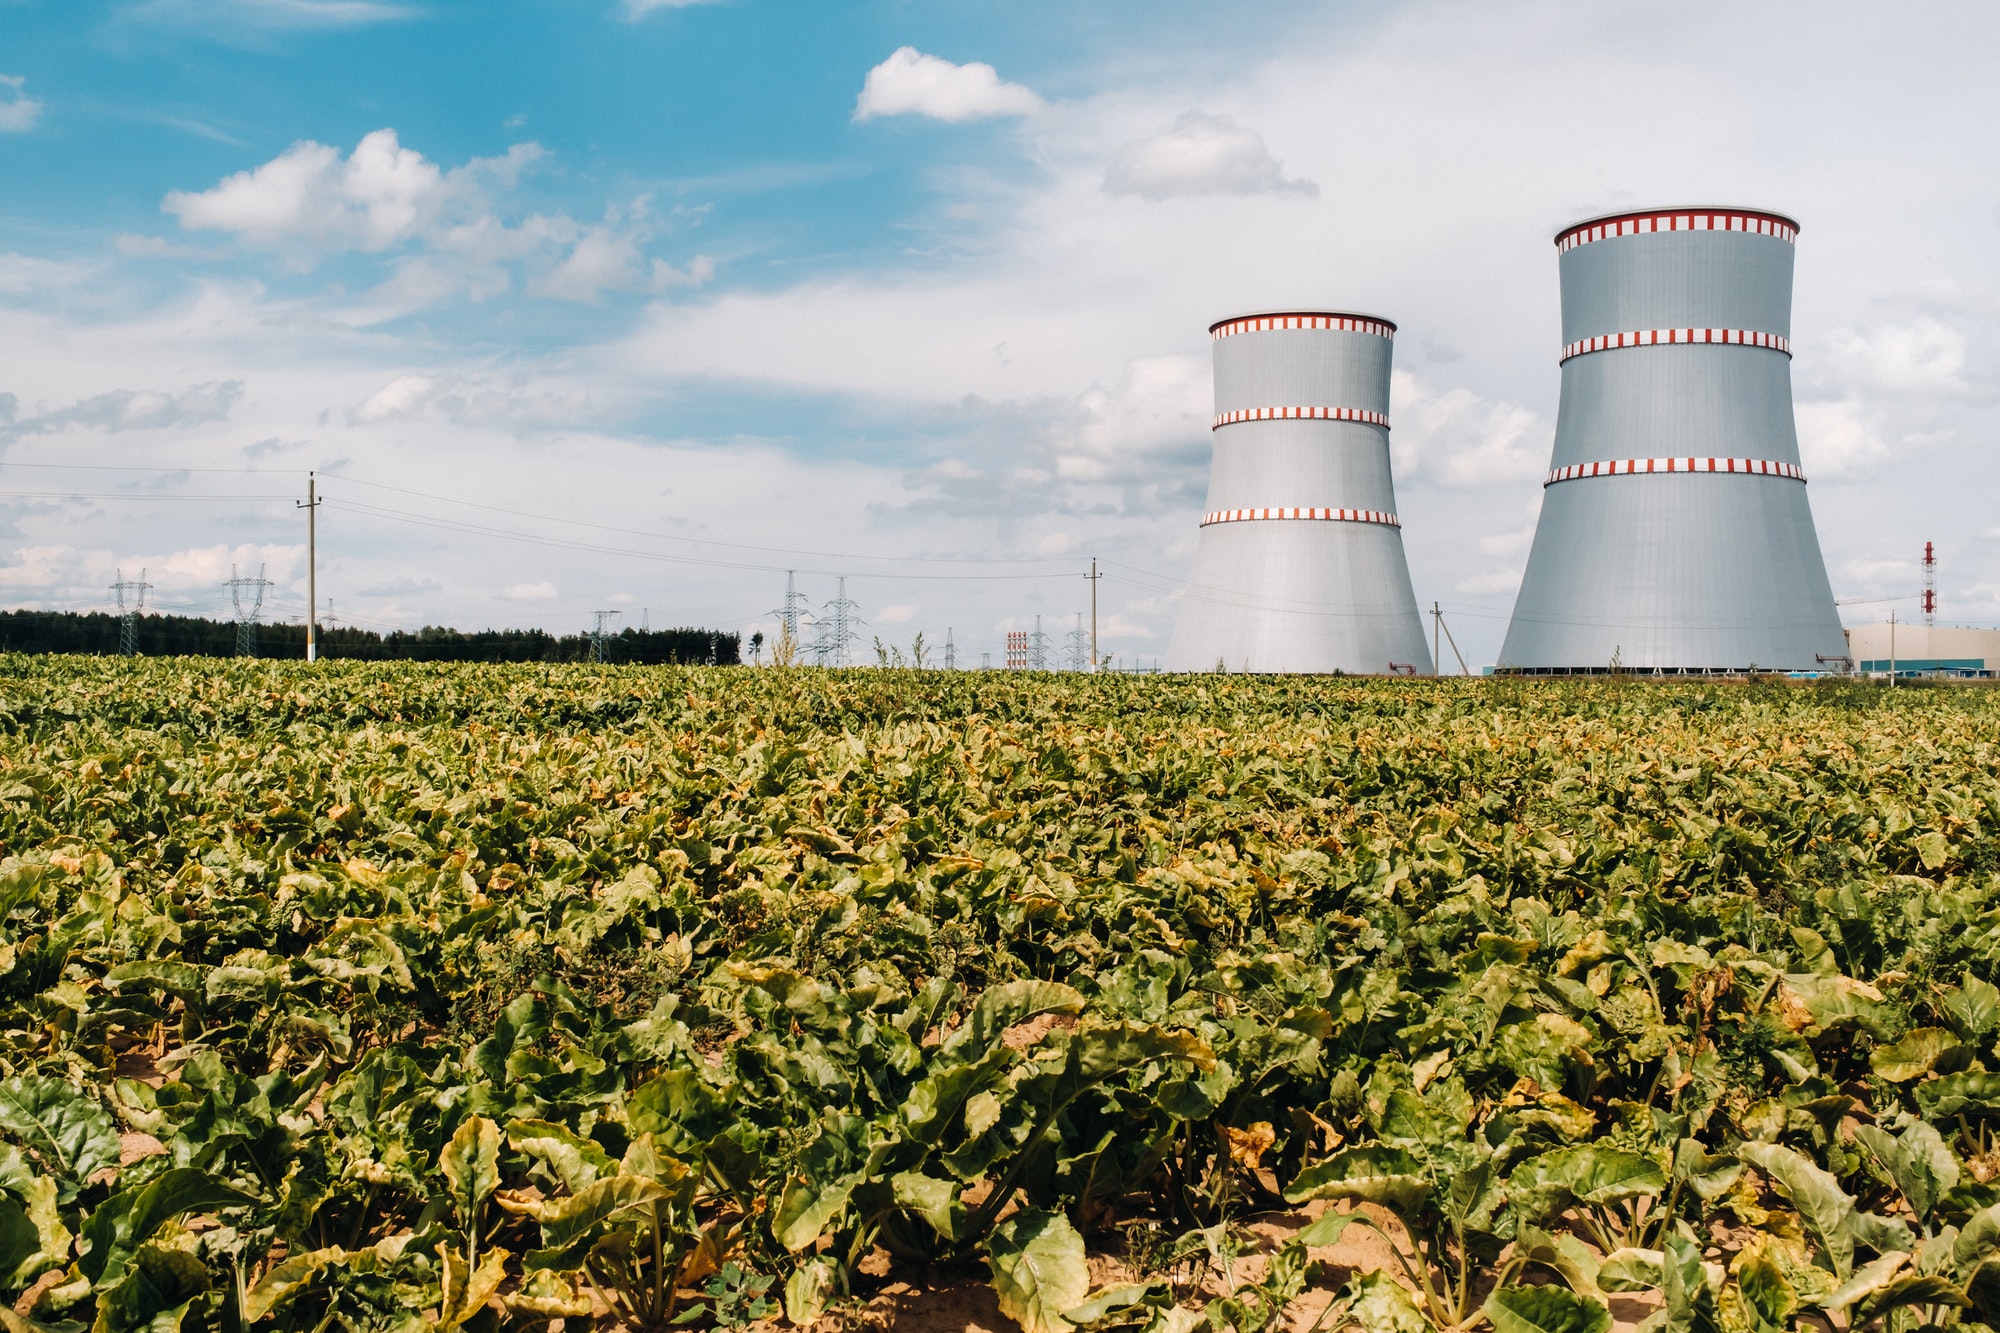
(1666, 337)
(1680, 219)
(1331, 323)
(1320, 515)
(1361, 414)
(1626, 467)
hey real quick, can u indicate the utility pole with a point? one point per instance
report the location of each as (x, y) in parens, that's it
(1437, 620)
(311, 505)
(128, 617)
(1892, 650)
(950, 651)
(1094, 577)
(600, 631)
(246, 621)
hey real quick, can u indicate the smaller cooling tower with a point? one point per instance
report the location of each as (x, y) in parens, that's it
(1299, 565)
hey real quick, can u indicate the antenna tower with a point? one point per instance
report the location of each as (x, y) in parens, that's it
(128, 616)
(600, 633)
(252, 590)
(950, 651)
(1930, 585)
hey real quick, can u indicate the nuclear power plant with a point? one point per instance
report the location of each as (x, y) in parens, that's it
(1675, 534)
(1299, 563)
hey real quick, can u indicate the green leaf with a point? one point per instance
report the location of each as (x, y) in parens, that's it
(1122, 1305)
(1923, 1168)
(1589, 1175)
(1379, 1304)
(1972, 1093)
(572, 1225)
(809, 1288)
(1933, 849)
(1039, 1271)
(1327, 1229)
(471, 1162)
(1632, 1269)
(1578, 1264)
(1909, 1289)
(1867, 1280)
(69, 1133)
(1825, 1206)
(117, 1227)
(1370, 1173)
(1912, 1055)
(1545, 1310)
(1764, 1289)
(575, 1161)
(1003, 1006)
(934, 1200)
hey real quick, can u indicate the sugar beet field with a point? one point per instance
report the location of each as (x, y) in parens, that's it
(400, 997)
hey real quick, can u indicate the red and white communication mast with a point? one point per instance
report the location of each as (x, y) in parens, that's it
(1930, 585)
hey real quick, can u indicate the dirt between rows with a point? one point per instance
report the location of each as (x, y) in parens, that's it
(967, 1304)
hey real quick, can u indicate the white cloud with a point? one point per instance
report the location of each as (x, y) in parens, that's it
(18, 111)
(900, 614)
(700, 271)
(1923, 356)
(638, 9)
(406, 395)
(1455, 438)
(910, 83)
(1838, 438)
(382, 194)
(131, 409)
(531, 592)
(1201, 154)
(474, 400)
(601, 260)
(225, 15)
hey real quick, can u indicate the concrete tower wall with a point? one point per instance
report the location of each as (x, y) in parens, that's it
(1675, 531)
(1299, 565)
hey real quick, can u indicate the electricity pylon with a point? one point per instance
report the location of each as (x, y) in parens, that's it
(128, 617)
(246, 621)
(600, 633)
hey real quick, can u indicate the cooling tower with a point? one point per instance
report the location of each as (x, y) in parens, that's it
(1299, 565)
(1675, 533)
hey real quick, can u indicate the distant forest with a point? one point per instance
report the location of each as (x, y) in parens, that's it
(192, 636)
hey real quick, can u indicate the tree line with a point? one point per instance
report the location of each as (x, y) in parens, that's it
(97, 633)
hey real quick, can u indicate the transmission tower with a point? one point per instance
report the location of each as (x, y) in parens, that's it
(600, 633)
(794, 609)
(1038, 648)
(243, 589)
(1079, 645)
(950, 651)
(846, 629)
(128, 616)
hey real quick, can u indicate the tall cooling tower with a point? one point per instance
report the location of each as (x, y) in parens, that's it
(1299, 566)
(1675, 533)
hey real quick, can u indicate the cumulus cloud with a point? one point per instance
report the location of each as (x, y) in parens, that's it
(18, 111)
(127, 409)
(1923, 356)
(380, 195)
(531, 592)
(910, 83)
(1201, 154)
(1456, 439)
(447, 225)
(469, 400)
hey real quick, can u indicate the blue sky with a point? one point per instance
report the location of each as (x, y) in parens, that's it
(639, 305)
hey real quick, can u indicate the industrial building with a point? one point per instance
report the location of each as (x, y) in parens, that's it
(1675, 533)
(1924, 650)
(1299, 563)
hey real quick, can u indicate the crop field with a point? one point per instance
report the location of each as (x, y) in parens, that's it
(434, 997)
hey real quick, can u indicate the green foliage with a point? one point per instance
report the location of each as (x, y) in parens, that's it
(400, 997)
